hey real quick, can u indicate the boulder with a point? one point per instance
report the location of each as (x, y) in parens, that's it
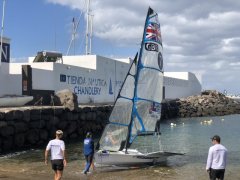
(67, 99)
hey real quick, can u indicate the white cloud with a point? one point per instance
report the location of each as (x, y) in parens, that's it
(198, 36)
(73, 4)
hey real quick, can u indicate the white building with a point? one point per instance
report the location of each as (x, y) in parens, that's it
(93, 78)
(98, 81)
(181, 84)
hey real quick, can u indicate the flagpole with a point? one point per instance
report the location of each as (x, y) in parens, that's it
(2, 31)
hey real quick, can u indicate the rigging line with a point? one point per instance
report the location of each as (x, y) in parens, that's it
(74, 32)
(75, 29)
(115, 81)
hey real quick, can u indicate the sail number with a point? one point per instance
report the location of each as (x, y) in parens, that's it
(151, 47)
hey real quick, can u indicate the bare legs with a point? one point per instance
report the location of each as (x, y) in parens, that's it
(58, 175)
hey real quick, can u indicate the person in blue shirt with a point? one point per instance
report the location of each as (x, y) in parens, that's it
(88, 151)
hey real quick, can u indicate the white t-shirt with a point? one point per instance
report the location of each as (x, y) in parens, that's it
(217, 157)
(57, 147)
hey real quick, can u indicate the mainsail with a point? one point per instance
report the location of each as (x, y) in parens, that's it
(137, 107)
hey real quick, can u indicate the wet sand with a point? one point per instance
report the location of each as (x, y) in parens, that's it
(28, 170)
(73, 171)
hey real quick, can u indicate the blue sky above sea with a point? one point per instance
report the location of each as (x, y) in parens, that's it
(199, 37)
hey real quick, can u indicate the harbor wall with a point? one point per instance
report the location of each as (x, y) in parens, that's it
(29, 127)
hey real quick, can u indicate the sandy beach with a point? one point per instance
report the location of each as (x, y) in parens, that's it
(39, 171)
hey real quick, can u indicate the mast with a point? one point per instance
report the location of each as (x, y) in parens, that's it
(87, 27)
(135, 87)
(90, 37)
(2, 27)
(73, 34)
(151, 37)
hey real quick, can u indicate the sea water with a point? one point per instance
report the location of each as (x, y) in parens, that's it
(190, 136)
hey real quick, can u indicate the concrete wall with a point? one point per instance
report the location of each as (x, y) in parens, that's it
(43, 76)
(181, 84)
(10, 79)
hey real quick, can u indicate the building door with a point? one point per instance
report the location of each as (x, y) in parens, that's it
(26, 80)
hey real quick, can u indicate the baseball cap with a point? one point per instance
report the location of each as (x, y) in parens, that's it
(59, 132)
(216, 137)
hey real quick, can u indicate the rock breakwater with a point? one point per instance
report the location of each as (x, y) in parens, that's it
(209, 103)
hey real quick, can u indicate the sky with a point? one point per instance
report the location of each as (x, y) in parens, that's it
(201, 37)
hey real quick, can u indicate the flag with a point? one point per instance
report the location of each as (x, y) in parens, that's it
(153, 33)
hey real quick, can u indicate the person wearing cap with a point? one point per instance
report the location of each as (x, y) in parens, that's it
(58, 155)
(88, 151)
(216, 161)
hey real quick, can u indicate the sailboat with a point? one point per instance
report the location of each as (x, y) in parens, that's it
(137, 108)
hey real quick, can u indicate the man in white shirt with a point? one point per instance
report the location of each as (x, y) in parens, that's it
(216, 162)
(58, 158)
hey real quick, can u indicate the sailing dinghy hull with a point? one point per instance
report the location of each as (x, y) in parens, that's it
(132, 158)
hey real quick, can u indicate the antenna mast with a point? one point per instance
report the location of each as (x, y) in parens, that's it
(74, 34)
(90, 38)
(87, 26)
(2, 31)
